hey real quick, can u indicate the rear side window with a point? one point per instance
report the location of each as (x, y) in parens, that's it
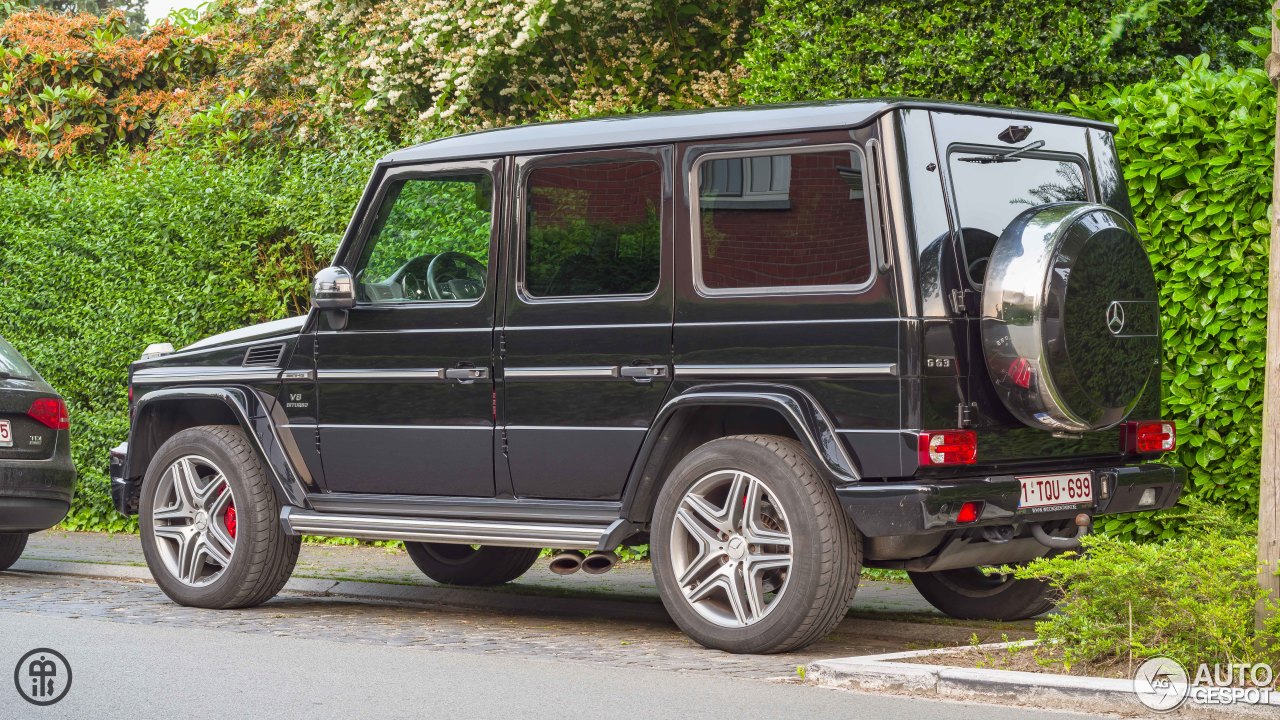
(12, 365)
(593, 229)
(795, 220)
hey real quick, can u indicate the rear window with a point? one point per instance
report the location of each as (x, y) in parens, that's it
(12, 365)
(989, 195)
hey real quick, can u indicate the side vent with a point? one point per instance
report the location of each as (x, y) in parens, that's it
(264, 355)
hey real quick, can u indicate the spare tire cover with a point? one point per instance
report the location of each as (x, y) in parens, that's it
(1070, 317)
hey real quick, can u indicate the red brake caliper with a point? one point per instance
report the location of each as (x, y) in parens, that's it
(230, 518)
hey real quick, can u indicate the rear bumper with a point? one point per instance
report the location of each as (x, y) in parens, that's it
(924, 506)
(124, 492)
(20, 514)
(36, 494)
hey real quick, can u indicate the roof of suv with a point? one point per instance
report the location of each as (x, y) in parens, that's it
(662, 127)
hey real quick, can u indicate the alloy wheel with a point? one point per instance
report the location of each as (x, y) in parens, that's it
(731, 548)
(194, 521)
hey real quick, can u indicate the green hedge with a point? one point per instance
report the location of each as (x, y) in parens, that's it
(1191, 597)
(1014, 52)
(1197, 154)
(99, 261)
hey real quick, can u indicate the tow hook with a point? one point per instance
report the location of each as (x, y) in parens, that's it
(1083, 522)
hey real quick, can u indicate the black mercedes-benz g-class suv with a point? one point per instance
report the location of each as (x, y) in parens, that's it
(779, 343)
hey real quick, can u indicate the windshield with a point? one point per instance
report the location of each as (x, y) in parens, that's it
(989, 195)
(12, 365)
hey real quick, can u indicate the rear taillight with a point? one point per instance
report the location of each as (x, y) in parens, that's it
(51, 412)
(948, 447)
(1145, 438)
(969, 513)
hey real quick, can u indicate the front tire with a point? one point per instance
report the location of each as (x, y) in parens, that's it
(11, 547)
(481, 566)
(210, 521)
(971, 594)
(752, 551)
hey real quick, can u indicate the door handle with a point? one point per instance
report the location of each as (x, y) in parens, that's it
(467, 374)
(643, 373)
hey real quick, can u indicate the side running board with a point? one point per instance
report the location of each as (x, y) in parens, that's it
(298, 521)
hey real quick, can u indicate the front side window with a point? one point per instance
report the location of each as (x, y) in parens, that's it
(593, 229)
(795, 220)
(989, 195)
(429, 242)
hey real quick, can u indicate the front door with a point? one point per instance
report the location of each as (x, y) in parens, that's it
(406, 385)
(587, 332)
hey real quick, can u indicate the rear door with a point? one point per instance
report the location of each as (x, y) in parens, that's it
(985, 197)
(586, 338)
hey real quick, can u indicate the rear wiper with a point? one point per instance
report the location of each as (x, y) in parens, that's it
(1007, 156)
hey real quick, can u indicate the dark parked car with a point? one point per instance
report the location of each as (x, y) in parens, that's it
(37, 478)
(779, 344)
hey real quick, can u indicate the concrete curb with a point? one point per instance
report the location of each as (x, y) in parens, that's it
(419, 595)
(888, 673)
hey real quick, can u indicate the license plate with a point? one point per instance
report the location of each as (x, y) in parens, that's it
(1050, 490)
(6, 434)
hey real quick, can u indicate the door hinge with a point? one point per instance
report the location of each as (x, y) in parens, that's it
(965, 413)
(502, 344)
(503, 436)
(965, 302)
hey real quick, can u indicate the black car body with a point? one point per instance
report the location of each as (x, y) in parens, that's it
(541, 397)
(37, 478)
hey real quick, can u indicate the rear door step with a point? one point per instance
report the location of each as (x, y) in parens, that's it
(601, 536)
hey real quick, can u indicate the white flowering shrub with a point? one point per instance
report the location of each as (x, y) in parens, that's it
(422, 67)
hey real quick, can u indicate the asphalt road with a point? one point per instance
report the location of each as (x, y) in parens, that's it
(162, 671)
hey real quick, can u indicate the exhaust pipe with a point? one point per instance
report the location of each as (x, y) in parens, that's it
(598, 563)
(566, 563)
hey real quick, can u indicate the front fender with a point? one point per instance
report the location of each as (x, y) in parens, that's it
(251, 411)
(801, 411)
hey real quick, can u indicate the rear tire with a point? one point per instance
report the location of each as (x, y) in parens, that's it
(970, 594)
(210, 521)
(11, 547)
(752, 551)
(482, 566)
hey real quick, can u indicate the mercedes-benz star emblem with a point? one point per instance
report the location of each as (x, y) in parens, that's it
(1115, 317)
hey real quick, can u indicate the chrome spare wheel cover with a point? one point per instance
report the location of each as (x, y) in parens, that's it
(193, 521)
(731, 548)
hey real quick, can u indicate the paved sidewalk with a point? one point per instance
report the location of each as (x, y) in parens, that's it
(364, 564)
(376, 596)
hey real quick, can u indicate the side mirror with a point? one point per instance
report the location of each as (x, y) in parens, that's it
(333, 289)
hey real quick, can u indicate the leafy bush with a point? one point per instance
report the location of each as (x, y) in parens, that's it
(423, 66)
(134, 11)
(1014, 52)
(100, 261)
(1197, 155)
(1190, 598)
(80, 84)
